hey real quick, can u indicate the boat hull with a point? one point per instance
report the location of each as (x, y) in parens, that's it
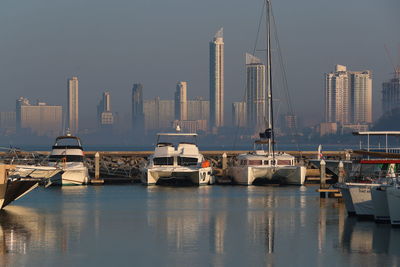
(71, 177)
(15, 189)
(348, 202)
(201, 176)
(393, 198)
(380, 204)
(362, 200)
(248, 175)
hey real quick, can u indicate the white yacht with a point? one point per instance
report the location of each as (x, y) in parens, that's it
(180, 161)
(263, 166)
(67, 155)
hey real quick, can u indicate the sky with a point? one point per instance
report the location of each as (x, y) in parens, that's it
(110, 45)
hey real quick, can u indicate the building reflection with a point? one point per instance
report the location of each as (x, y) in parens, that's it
(23, 230)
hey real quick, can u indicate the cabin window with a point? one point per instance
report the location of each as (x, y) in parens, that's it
(243, 162)
(284, 162)
(164, 161)
(68, 158)
(266, 162)
(254, 162)
(186, 161)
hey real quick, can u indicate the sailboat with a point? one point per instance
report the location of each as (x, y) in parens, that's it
(264, 164)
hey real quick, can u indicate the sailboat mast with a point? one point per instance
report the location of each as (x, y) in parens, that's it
(271, 141)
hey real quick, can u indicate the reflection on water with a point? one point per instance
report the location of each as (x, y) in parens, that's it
(220, 225)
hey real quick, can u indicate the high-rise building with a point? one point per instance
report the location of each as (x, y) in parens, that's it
(239, 114)
(337, 95)
(255, 93)
(217, 80)
(348, 96)
(391, 92)
(104, 115)
(73, 105)
(137, 109)
(181, 107)
(40, 119)
(158, 114)
(361, 96)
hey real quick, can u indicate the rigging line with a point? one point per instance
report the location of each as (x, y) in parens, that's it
(285, 82)
(244, 95)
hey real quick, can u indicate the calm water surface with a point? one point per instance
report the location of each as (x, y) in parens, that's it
(133, 225)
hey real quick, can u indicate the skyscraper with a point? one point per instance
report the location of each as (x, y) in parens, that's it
(137, 109)
(158, 114)
(217, 80)
(181, 107)
(391, 92)
(348, 96)
(361, 96)
(73, 105)
(337, 95)
(255, 93)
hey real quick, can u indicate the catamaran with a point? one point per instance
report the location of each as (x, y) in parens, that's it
(181, 161)
(264, 164)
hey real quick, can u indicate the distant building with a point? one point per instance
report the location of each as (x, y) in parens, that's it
(349, 128)
(391, 92)
(327, 128)
(255, 93)
(73, 105)
(40, 119)
(198, 109)
(181, 105)
(104, 115)
(348, 96)
(239, 114)
(290, 123)
(361, 97)
(137, 109)
(7, 123)
(217, 80)
(190, 126)
(158, 114)
(337, 95)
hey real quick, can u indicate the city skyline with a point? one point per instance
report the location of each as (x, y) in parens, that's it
(126, 45)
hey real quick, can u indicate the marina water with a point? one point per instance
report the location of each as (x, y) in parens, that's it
(133, 225)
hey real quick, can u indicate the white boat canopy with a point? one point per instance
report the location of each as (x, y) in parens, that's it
(377, 133)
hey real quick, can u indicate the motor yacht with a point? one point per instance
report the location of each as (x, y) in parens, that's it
(181, 161)
(67, 155)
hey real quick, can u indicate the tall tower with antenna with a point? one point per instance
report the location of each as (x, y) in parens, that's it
(217, 80)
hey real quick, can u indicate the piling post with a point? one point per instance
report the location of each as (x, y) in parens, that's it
(224, 161)
(323, 177)
(341, 172)
(97, 165)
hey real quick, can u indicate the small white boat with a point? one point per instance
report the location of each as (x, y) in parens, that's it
(178, 162)
(67, 154)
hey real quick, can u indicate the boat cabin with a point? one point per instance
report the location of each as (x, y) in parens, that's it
(67, 148)
(181, 154)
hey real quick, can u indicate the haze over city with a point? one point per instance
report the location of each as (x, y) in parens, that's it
(110, 46)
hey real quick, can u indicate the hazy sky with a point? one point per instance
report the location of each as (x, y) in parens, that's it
(110, 45)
